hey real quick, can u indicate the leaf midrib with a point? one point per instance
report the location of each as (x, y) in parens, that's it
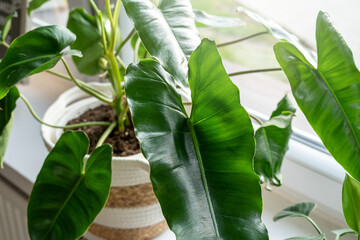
(203, 176)
(64, 204)
(341, 107)
(29, 60)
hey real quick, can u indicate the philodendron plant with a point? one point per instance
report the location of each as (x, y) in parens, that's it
(329, 96)
(208, 167)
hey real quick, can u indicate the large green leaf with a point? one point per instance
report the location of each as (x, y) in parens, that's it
(7, 106)
(351, 203)
(204, 162)
(67, 196)
(168, 34)
(342, 232)
(35, 4)
(328, 95)
(302, 209)
(34, 52)
(88, 41)
(272, 140)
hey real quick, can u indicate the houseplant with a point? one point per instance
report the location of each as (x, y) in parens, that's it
(39, 50)
(191, 140)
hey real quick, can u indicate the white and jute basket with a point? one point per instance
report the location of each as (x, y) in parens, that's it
(132, 212)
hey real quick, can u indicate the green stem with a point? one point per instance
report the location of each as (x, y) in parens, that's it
(79, 125)
(84, 87)
(128, 37)
(105, 98)
(105, 135)
(254, 71)
(120, 61)
(99, 14)
(314, 224)
(117, 77)
(5, 44)
(241, 39)
(122, 118)
(256, 119)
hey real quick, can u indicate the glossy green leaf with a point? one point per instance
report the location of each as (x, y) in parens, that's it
(67, 196)
(302, 209)
(7, 106)
(308, 237)
(342, 232)
(34, 52)
(88, 41)
(169, 33)
(35, 4)
(272, 139)
(203, 161)
(278, 32)
(351, 203)
(328, 95)
(208, 20)
(7, 26)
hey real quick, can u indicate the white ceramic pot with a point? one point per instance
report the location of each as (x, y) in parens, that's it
(132, 211)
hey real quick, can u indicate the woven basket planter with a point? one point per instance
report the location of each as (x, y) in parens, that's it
(132, 211)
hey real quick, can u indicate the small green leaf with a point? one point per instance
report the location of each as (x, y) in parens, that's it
(208, 20)
(7, 106)
(342, 232)
(329, 95)
(33, 52)
(7, 26)
(272, 139)
(302, 209)
(88, 41)
(351, 203)
(35, 4)
(67, 196)
(308, 237)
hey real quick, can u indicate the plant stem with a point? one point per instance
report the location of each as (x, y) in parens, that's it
(105, 135)
(314, 224)
(122, 118)
(5, 44)
(254, 71)
(117, 77)
(241, 39)
(78, 125)
(128, 37)
(84, 87)
(256, 119)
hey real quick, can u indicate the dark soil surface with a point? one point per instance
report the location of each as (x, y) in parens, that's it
(124, 144)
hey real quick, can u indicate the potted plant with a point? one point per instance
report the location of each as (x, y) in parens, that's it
(39, 50)
(75, 186)
(202, 159)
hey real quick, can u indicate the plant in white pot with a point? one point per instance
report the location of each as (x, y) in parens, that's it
(139, 215)
(201, 163)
